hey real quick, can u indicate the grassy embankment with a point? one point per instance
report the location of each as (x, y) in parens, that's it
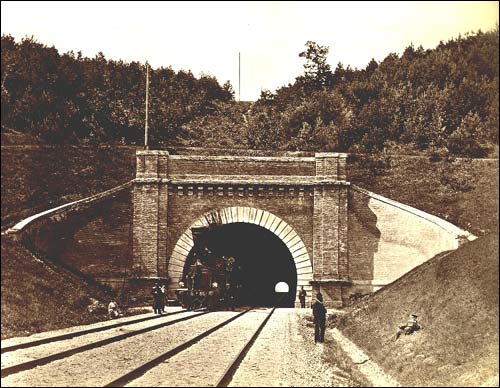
(38, 296)
(455, 296)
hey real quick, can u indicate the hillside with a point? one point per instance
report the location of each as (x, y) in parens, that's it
(456, 299)
(37, 177)
(443, 99)
(37, 296)
(462, 191)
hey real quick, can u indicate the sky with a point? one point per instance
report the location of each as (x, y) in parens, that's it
(206, 37)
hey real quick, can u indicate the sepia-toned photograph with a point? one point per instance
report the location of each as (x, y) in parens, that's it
(250, 193)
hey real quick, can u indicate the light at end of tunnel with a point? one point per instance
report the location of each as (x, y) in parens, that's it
(281, 287)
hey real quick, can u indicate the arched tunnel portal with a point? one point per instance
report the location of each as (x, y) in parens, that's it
(267, 251)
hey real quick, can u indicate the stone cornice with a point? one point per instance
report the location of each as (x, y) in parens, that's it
(331, 281)
(278, 180)
(244, 158)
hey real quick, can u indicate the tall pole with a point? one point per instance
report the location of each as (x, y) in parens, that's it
(146, 145)
(239, 76)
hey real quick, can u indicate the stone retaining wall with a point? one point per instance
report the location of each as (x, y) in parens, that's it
(387, 239)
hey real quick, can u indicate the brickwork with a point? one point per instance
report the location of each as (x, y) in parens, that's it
(189, 203)
(298, 196)
(91, 235)
(150, 227)
(234, 165)
(330, 228)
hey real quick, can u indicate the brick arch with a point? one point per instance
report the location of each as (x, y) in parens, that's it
(284, 231)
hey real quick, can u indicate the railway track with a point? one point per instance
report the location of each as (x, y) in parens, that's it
(23, 366)
(243, 333)
(225, 379)
(222, 381)
(79, 333)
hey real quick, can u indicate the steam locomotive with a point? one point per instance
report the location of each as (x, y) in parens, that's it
(207, 281)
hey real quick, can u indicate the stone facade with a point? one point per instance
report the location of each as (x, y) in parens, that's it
(303, 200)
(388, 239)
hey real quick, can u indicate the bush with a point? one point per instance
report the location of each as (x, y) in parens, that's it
(469, 138)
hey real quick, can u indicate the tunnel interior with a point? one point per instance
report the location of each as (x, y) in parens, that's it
(261, 261)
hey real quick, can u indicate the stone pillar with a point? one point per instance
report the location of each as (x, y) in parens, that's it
(330, 254)
(150, 226)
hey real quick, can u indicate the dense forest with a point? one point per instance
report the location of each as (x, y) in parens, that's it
(440, 101)
(69, 98)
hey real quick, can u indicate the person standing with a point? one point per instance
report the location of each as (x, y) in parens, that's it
(319, 314)
(302, 297)
(163, 297)
(157, 298)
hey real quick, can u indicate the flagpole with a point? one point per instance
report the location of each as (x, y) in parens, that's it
(239, 76)
(146, 144)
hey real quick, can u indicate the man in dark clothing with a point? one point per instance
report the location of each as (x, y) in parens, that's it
(319, 314)
(302, 297)
(157, 299)
(163, 290)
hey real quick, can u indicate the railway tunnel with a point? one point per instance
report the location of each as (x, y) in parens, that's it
(262, 261)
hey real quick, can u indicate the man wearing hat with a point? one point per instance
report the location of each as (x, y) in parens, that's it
(302, 297)
(319, 314)
(157, 299)
(411, 326)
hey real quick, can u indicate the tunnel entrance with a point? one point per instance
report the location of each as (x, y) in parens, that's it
(261, 261)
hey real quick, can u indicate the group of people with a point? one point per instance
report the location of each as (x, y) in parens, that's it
(319, 315)
(159, 294)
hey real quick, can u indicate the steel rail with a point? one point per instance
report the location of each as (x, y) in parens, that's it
(66, 336)
(141, 370)
(228, 374)
(45, 360)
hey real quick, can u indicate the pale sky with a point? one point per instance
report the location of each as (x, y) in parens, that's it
(207, 36)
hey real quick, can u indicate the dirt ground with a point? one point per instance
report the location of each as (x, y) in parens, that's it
(284, 354)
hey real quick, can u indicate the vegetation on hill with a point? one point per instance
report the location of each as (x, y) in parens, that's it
(69, 98)
(68, 123)
(37, 296)
(461, 191)
(442, 100)
(456, 300)
(37, 178)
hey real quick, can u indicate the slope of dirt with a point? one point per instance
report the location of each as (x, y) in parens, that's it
(38, 296)
(456, 299)
(36, 177)
(461, 191)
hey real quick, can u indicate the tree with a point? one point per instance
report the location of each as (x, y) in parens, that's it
(317, 70)
(469, 138)
(228, 89)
